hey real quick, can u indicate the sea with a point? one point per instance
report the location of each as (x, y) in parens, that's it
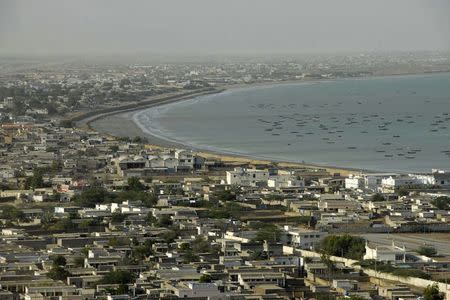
(387, 124)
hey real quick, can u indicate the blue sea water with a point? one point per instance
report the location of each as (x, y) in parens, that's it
(392, 123)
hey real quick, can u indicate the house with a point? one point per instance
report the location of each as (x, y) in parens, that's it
(383, 253)
(195, 290)
(302, 238)
(247, 177)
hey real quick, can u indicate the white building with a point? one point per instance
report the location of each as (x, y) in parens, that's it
(391, 183)
(196, 290)
(247, 177)
(384, 253)
(437, 177)
(285, 179)
(185, 159)
(370, 181)
(354, 182)
(302, 238)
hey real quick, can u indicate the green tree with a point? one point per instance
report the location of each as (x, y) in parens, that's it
(92, 196)
(118, 217)
(442, 203)
(59, 261)
(134, 184)
(411, 273)
(63, 224)
(164, 221)
(35, 181)
(378, 198)
(432, 293)
(66, 123)
(58, 273)
(225, 195)
(343, 245)
(169, 236)
(200, 245)
(118, 277)
(78, 261)
(143, 251)
(114, 148)
(151, 220)
(189, 256)
(269, 233)
(427, 251)
(11, 213)
(402, 192)
(205, 278)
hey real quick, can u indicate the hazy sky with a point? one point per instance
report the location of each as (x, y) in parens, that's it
(222, 26)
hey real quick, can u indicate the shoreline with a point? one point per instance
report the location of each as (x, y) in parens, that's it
(119, 123)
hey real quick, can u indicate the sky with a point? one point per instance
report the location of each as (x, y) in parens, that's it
(222, 26)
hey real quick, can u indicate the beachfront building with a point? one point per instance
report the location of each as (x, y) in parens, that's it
(354, 182)
(368, 181)
(437, 178)
(285, 179)
(247, 177)
(392, 183)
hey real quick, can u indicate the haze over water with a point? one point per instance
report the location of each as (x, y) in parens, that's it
(387, 123)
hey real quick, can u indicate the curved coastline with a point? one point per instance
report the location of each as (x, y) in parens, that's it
(132, 126)
(123, 123)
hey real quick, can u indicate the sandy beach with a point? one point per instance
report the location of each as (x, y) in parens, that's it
(119, 123)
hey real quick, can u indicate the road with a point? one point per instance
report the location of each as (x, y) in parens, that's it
(412, 241)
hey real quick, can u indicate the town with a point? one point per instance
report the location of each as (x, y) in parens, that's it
(85, 215)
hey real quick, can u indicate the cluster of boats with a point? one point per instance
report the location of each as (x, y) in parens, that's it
(331, 128)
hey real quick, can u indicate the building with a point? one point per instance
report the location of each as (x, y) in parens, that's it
(302, 238)
(388, 254)
(247, 177)
(195, 290)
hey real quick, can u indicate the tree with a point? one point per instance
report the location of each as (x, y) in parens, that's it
(226, 195)
(118, 217)
(114, 148)
(135, 185)
(442, 203)
(269, 233)
(432, 293)
(378, 197)
(411, 273)
(402, 192)
(59, 261)
(200, 245)
(258, 255)
(35, 181)
(189, 256)
(205, 278)
(92, 196)
(118, 277)
(427, 251)
(11, 213)
(151, 220)
(169, 236)
(58, 273)
(343, 245)
(164, 221)
(143, 251)
(66, 123)
(63, 224)
(78, 261)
